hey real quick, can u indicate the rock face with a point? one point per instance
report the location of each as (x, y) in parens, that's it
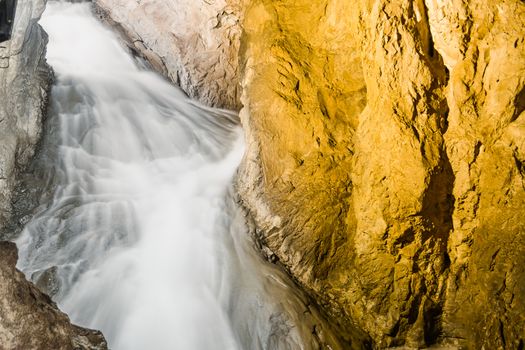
(24, 82)
(195, 43)
(386, 162)
(30, 320)
(386, 152)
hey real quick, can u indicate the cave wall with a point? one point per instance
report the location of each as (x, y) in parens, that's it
(385, 163)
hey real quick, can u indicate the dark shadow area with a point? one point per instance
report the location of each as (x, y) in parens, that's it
(7, 18)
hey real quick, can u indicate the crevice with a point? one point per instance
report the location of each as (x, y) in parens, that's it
(477, 150)
(519, 164)
(432, 326)
(519, 104)
(493, 260)
(438, 204)
(502, 334)
(438, 207)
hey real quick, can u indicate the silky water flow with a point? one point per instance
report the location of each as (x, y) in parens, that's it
(140, 237)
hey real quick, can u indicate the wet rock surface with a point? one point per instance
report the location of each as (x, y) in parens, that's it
(30, 319)
(24, 83)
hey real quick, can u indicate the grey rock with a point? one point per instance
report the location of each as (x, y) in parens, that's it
(24, 83)
(195, 43)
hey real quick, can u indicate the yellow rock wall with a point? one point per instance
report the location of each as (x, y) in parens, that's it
(386, 162)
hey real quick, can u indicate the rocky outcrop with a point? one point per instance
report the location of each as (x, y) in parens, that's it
(24, 83)
(195, 43)
(30, 320)
(385, 162)
(483, 48)
(28, 317)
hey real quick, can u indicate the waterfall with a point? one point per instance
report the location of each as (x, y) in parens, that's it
(140, 236)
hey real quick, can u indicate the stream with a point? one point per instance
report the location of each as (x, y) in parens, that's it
(140, 236)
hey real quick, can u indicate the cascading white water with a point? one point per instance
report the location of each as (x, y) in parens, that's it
(141, 239)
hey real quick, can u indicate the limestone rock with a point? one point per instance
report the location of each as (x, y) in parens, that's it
(30, 320)
(303, 89)
(485, 142)
(385, 162)
(195, 43)
(24, 83)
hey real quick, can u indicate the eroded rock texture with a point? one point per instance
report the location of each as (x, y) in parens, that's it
(385, 166)
(386, 162)
(24, 82)
(28, 317)
(195, 43)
